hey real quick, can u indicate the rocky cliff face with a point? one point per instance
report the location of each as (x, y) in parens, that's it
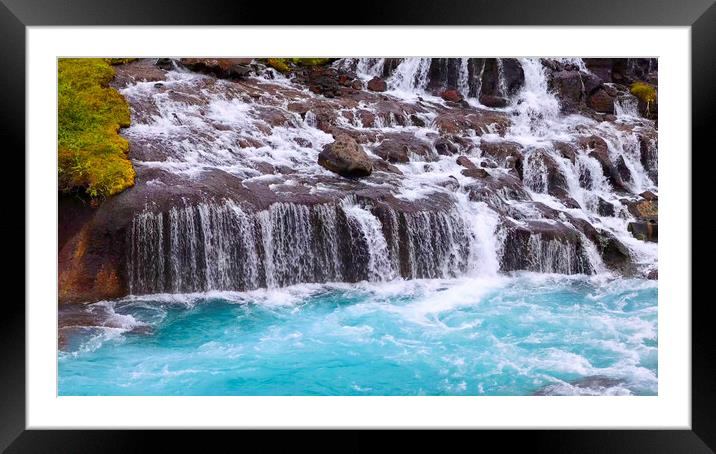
(370, 169)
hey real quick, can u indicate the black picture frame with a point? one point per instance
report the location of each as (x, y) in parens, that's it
(16, 15)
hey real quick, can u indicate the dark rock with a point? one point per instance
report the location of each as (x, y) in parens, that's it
(653, 274)
(570, 203)
(451, 183)
(644, 230)
(605, 208)
(614, 253)
(497, 190)
(556, 181)
(566, 150)
(649, 195)
(520, 253)
(569, 89)
(451, 95)
(601, 101)
(591, 82)
(417, 121)
(140, 70)
(384, 166)
(465, 162)
(599, 150)
(506, 154)
(398, 148)
(476, 172)
(224, 68)
(166, 64)
(623, 170)
(367, 118)
(494, 101)
(346, 158)
(463, 121)
(377, 84)
(648, 154)
(445, 147)
(600, 67)
(322, 80)
(501, 77)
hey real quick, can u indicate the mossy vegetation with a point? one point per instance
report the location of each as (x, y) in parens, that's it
(647, 96)
(283, 65)
(92, 156)
(644, 92)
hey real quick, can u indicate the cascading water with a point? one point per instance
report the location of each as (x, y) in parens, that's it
(411, 75)
(483, 236)
(192, 247)
(463, 81)
(219, 246)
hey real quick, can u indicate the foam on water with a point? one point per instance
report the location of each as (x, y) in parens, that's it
(530, 333)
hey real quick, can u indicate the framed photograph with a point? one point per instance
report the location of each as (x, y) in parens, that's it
(435, 217)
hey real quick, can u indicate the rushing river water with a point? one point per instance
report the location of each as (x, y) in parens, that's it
(520, 335)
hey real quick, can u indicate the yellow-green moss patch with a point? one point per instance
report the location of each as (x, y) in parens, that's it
(282, 65)
(91, 153)
(644, 91)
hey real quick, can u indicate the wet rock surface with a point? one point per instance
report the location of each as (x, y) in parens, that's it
(345, 157)
(331, 158)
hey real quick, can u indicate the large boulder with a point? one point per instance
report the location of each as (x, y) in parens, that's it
(346, 158)
(451, 95)
(377, 84)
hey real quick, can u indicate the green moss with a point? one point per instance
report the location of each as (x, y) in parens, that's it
(91, 154)
(644, 92)
(283, 65)
(311, 61)
(279, 64)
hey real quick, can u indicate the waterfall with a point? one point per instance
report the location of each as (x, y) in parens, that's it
(411, 75)
(437, 244)
(463, 80)
(380, 266)
(536, 107)
(272, 137)
(372, 67)
(220, 246)
(541, 252)
(626, 106)
(554, 256)
(501, 83)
